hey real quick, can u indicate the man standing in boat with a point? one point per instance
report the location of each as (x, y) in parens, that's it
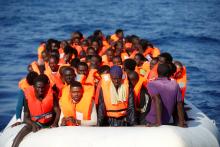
(116, 100)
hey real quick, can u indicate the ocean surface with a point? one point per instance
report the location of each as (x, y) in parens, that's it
(189, 29)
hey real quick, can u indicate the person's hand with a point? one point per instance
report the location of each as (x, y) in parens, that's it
(183, 125)
(54, 125)
(35, 127)
(16, 124)
(153, 125)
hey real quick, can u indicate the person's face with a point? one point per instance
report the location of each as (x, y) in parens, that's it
(54, 46)
(137, 60)
(110, 55)
(53, 64)
(95, 62)
(91, 52)
(82, 70)
(162, 60)
(76, 41)
(116, 80)
(63, 44)
(95, 45)
(120, 35)
(40, 89)
(152, 64)
(117, 61)
(68, 76)
(76, 94)
(179, 72)
(45, 56)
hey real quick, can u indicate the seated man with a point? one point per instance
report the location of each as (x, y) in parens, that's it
(78, 106)
(41, 108)
(116, 100)
(166, 96)
(142, 98)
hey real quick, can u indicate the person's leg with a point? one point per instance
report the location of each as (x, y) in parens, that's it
(23, 132)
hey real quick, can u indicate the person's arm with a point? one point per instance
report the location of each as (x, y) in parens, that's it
(93, 121)
(180, 109)
(101, 110)
(157, 101)
(57, 112)
(131, 117)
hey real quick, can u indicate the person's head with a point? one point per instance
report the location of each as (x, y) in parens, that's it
(117, 60)
(76, 41)
(31, 76)
(69, 52)
(63, 44)
(110, 54)
(74, 62)
(135, 39)
(179, 69)
(139, 59)
(153, 62)
(96, 61)
(119, 33)
(129, 65)
(96, 43)
(54, 53)
(84, 44)
(165, 58)
(133, 78)
(41, 86)
(30, 68)
(172, 69)
(68, 75)
(163, 70)
(76, 91)
(77, 34)
(98, 34)
(91, 51)
(118, 48)
(82, 68)
(105, 69)
(45, 56)
(116, 75)
(53, 63)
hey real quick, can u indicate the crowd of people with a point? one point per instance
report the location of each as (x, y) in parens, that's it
(101, 81)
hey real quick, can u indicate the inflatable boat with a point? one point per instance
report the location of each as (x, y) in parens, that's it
(201, 132)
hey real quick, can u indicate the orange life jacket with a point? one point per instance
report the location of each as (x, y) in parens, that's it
(40, 111)
(105, 61)
(114, 110)
(124, 56)
(128, 45)
(35, 67)
(40, 49)
(153, 73)
(84, 107)
(144, 69)
(141, 82)
(114, 37)
(153, 52)
(182, 82)
(23, 84)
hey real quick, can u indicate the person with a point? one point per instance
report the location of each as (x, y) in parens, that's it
(119, 35)
(181, 77)
(143, 66)
(41, 108)
(107, 58)
(115, 100)
(23, 84)
(153, 62)
(129, 65)
(78, 106)
(142, 97)
(164, 58)
(117, 60)
(166, 96)
(82, 72)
